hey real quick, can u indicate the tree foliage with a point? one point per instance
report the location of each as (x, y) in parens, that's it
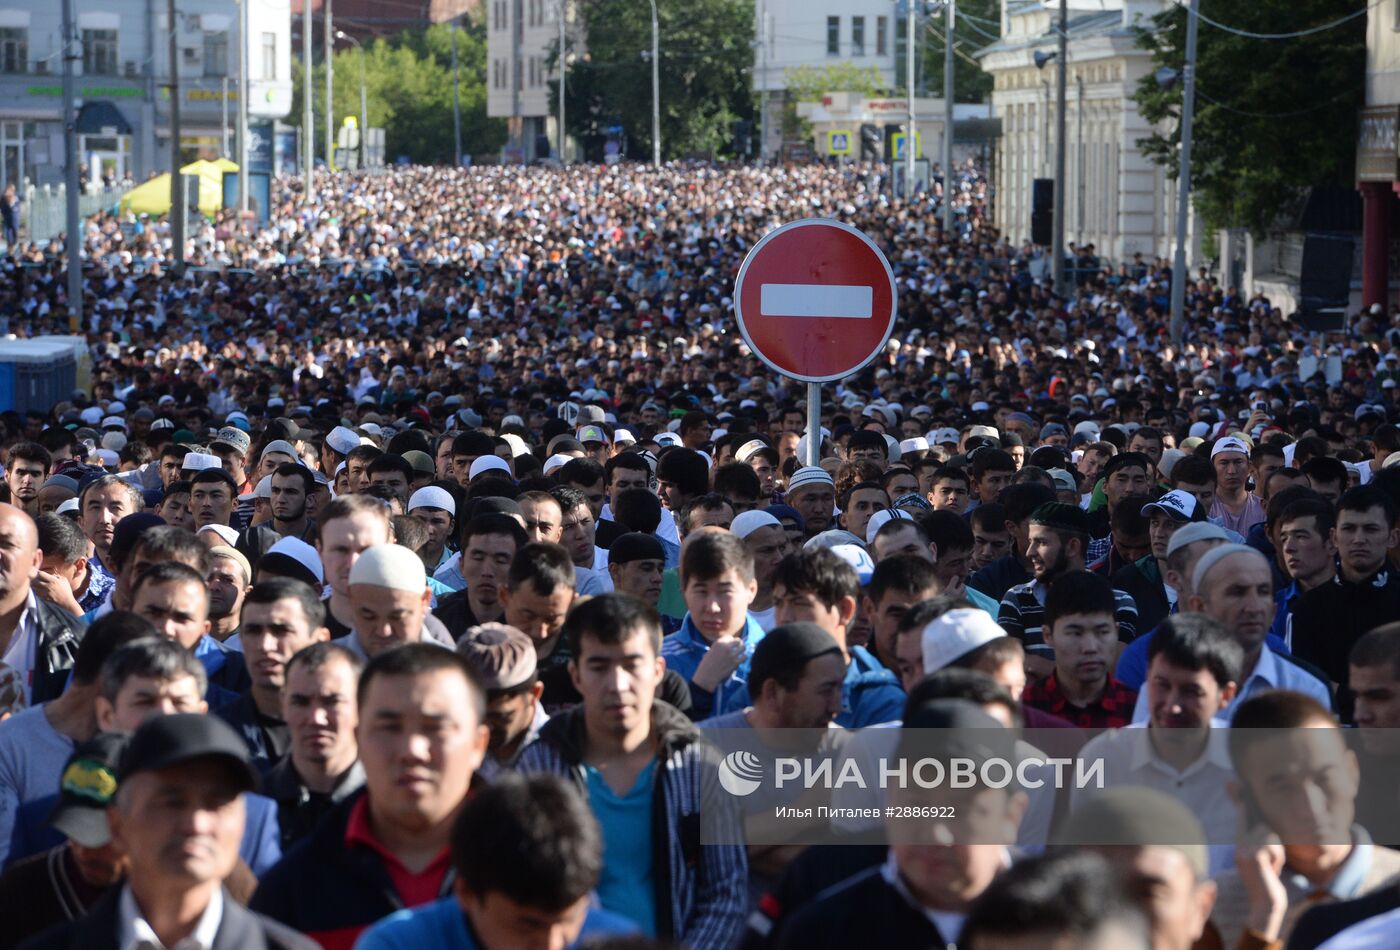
(706, 57)
(810, 83)
(1272, 117)
(408, 83)
(975, 25)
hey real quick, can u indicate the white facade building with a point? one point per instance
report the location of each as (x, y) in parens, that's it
(521, 37)
(1115, 198)
(123, 70)
(817, 33)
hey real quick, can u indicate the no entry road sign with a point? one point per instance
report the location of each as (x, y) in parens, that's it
(815, 300)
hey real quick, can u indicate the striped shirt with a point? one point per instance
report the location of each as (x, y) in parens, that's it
(1022, 615)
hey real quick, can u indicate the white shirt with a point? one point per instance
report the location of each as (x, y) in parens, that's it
(1271, 672)
(19, 654)
(767, 619)
(135, 933)
(1129, 758)
(1373, 933)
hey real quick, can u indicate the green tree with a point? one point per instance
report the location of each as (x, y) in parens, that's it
(706, 58)
(1272, 117)
(408, 83)
(975, 25)
(810, 83)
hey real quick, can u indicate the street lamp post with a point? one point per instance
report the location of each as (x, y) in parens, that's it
(911, 134)
(563, 69)
(330, 86)
(1062, 75)
(1183, 179)
(245, 37)
(948, 81)
(364, 106)
(73, 224)
(308, 117)
(177, 184)
(655, 88)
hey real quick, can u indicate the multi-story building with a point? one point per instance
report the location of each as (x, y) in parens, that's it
(790, 34)
(521, 37)
(1378, 151)
(366, 19)
(121, 57)
(1115, 198)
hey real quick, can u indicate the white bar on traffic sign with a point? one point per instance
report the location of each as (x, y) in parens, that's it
(840, 301)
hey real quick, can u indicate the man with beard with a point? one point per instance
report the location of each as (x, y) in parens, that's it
(228, 581)
(291, 486)
(1059, 536)
(280, 617)
(27, 467)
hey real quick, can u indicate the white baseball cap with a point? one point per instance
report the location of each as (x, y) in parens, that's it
(1229, 444)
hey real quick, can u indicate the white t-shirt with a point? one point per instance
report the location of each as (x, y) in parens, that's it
(767, 619)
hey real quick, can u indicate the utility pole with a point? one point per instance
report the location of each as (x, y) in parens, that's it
(177, 184)
(72, 223)
(456, 100)
(655, 88)
(1058, 248)
(563, 68)
(1183, 180)
(330, 86)
(308, 118)
(246, 36)
(948, 80)
(1079, 158)
(763, 84)
(910, 133)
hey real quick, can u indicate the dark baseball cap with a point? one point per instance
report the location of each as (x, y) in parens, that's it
(164, 741)
(86, 788)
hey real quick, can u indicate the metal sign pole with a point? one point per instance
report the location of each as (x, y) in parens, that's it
(814, 423)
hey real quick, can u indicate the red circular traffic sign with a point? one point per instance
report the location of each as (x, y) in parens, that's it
(815, 300)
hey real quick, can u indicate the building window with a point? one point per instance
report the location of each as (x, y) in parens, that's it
(99, 52)
(857, 36)
(833, 36)
(881, 35)
(14, 50)
(216, 53)
(269, 56)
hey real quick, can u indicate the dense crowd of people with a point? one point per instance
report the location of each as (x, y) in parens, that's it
(391, 575)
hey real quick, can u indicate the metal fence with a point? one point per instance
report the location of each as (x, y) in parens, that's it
(45, 208)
